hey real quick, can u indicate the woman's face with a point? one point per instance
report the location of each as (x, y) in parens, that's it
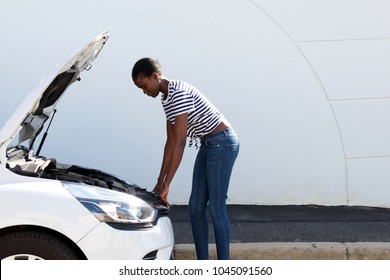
(149, 85)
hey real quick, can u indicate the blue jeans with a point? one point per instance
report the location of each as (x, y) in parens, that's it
(210, 183)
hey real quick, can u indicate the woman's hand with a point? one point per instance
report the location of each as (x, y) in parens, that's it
(162, 189)
(158, 188)
(163, 194)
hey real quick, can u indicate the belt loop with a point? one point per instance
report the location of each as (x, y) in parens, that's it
(226, 131)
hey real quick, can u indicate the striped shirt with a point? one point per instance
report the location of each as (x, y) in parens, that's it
(183, 98)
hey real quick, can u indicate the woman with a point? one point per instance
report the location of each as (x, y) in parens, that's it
(190, 114)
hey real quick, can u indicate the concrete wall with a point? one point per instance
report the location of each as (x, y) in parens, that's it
(304, 83)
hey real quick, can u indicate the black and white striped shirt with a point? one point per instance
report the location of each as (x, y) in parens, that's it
(203, 116)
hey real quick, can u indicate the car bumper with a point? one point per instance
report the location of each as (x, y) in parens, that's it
(105, 242)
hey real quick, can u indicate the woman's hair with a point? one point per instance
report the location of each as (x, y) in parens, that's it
(145, 66)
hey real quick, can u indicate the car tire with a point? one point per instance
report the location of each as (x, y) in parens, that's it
(34, 245)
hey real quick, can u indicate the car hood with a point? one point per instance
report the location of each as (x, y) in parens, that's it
(30, 117)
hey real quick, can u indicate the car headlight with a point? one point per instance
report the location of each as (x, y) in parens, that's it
(112, 206)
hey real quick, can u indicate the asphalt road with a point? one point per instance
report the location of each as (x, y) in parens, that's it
(294, 224)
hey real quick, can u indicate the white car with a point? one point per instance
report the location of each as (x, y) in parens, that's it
(50, 210)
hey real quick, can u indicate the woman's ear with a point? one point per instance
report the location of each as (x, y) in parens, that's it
(156, 77)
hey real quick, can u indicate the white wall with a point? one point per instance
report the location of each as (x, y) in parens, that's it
(304, 83)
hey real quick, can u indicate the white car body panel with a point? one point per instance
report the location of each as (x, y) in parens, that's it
(47, 204)
(129, 244)
(43, 203)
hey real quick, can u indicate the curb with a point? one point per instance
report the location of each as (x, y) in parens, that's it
(294, 251)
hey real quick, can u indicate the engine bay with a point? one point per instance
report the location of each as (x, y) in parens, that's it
(22, 162)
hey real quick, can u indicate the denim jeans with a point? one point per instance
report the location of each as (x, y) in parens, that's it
(210, 183)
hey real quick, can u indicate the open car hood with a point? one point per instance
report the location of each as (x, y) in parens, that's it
(30, 117)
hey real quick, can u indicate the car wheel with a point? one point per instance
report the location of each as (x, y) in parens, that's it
(34, 245)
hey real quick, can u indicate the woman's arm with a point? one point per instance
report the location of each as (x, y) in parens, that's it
(173, 154)
(166, 157)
